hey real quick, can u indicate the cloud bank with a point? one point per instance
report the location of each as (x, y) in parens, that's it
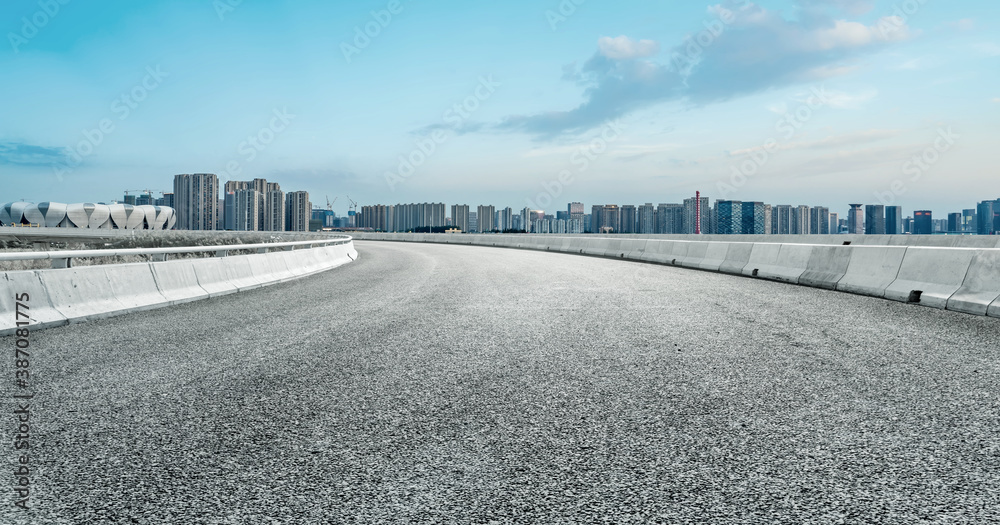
(742, 49)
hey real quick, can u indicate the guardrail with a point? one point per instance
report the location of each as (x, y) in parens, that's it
(68, 294)
(963, 279)
(64, 258)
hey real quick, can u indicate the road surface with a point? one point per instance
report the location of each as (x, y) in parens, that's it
(433, 383)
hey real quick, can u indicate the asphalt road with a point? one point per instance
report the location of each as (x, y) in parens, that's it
(454, 384)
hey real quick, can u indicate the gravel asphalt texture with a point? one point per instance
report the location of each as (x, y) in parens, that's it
(456, 384)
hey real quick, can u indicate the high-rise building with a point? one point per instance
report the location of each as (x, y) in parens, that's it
(923, 222)
(229, 211)
(954, 223)
(690, 211)
(894, 220)
(988, 217)
(596, 216)
(576, 211)
(610, 219)
(298, 209)
(969, 220)
(473, 221)
(875, 219)
(819, 220)
(856, 220)
(167, 200)
(196, 201)
(801, 220)
(505, 219)
(768, 218)
(629, 219)
(485, 214)
(526, 220)
(730, 217)
(273, 204)
(460, 216)
(752, 218)
(781, 220)
(247, 210)
(647, 218)
(834, 223)
(670, 218)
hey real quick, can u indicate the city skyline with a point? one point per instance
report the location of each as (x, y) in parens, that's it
(798, 101)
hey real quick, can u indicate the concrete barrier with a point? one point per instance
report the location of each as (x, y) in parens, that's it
(663, 252)
(613, 248)
(81, 293)
(40, 310)
(177, 281)
(694, 254)
(736, 258)
(872, 269)
(134, 286)
(981, 287)
(61, 296)
(715, 255)
(634, 249)
(826, 267)
(936, 273)
(786, 264)
(213, 277)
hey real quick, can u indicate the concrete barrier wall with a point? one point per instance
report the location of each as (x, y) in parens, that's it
(61, 296)
(893, 267)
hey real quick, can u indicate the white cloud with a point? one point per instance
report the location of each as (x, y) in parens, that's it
(965, 24)
(624, 48)
(988, 48)
(996, 100)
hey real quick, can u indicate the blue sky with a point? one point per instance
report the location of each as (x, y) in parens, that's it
(817, 102)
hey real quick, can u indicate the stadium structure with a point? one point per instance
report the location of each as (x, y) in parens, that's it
(88, 215)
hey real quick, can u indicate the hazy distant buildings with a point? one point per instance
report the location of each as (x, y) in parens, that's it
(485, 215)
(856, 220)
(969, 220)
(894, 220)
(670, 218)
(629, 220)
(753, 218)
(781, 220)
(801, 220)
(196, 201)
(647, 218)
(875, 219)
(923, 222)
(729, 217)
(690, 215)
(460, 217)
(298, 210)
(988, 217)
(819, 220)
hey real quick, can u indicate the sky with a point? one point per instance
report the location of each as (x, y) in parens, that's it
(515, 103)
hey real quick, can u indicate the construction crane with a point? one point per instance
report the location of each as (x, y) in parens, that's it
(354, 205)
(329, 205)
